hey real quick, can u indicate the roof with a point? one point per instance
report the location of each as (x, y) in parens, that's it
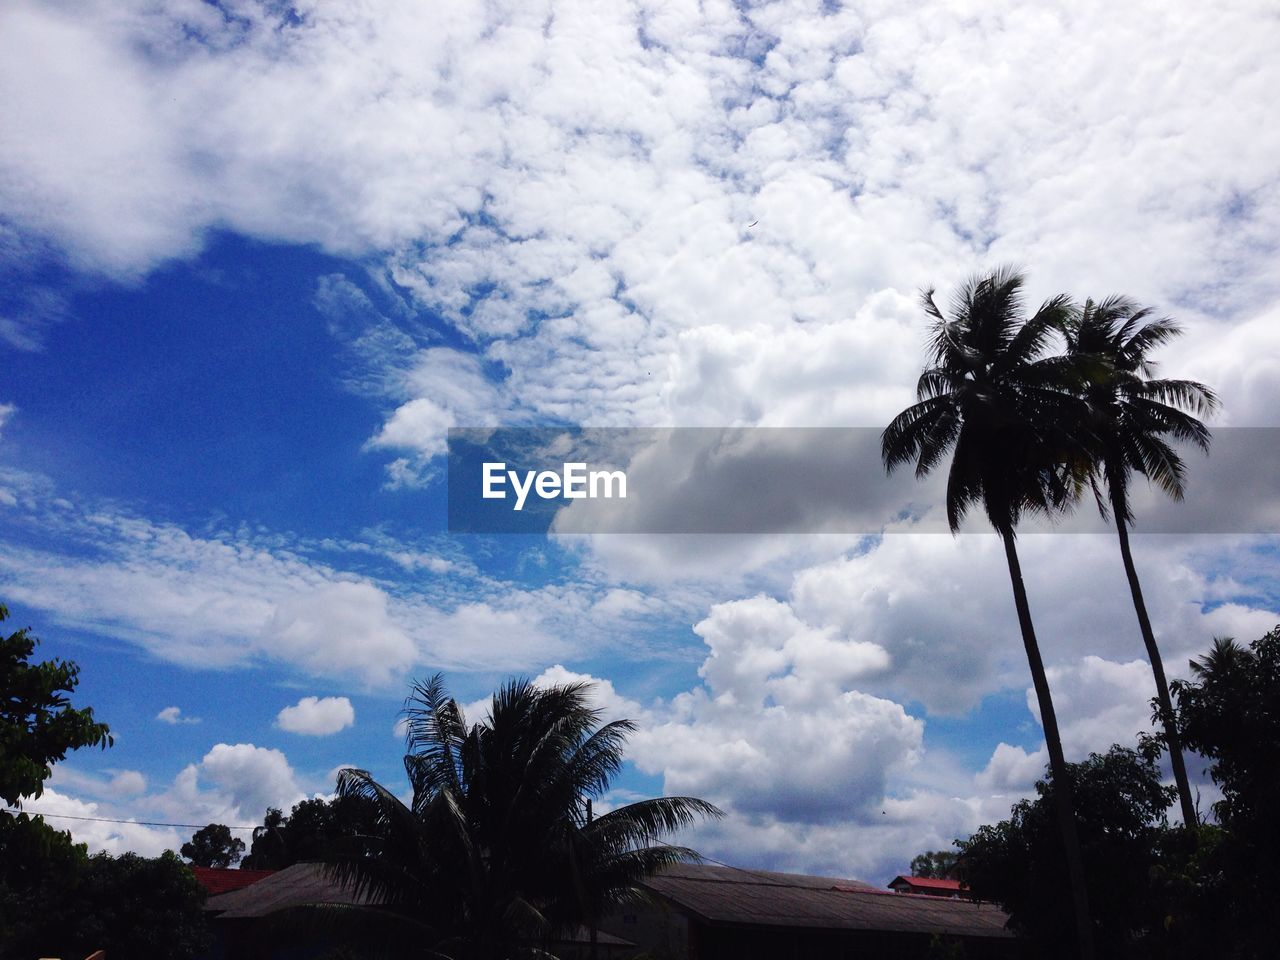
(298, 884)
(219, 880)
(927, 883)
(727, 895)
(583, 935)
(307, 883)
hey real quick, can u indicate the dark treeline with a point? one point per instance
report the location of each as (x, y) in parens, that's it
(1156, 890)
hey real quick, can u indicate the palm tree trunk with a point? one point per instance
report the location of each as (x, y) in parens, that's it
(1064, 807)
(595, 950)
(1157, 667)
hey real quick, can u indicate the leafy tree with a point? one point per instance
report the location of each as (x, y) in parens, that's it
(934, 864)
(1005, 411)
(38, 725)
(1120, 808)
(1227, 711)
(1130, 419)
(496, 849)
(38, 865)
(130, 906)
(213, 846)
(314, 830)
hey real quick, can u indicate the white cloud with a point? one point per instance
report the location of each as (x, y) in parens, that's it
(317, 716)
(173, 715)
(579, 207)
(114, 838)
(777, 727)
(127, 783)
(340, 627)
(7, 410)
(229, 599)
(232, 784)
(121, 784)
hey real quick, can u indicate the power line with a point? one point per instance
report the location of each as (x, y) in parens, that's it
(140, 823)
(770, 878)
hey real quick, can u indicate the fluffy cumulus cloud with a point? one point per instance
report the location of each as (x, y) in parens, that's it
(797, 728)
(813, 773)
(317, 716)
(233, 784)
(943, 608)
(173, 716)
(90, 822)
(777, 726)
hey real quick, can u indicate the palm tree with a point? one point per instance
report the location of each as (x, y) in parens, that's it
(496, 851)
(991, 397)
(1129, 416)
(1226, 659)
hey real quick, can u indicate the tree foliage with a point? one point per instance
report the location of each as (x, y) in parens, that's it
(1229, 711)
(38, 724)
(495, 851)
(314, 830)
(934, 864)
(55, 899)
(1120, 810)
(70, 904)
(213, 846)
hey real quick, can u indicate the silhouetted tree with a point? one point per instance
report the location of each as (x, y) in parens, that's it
(495, 848)
(1131, 417)
(1229, 711)
(1120, 807)
(213, 846)
(314, 830)
(934, 864)
(38, 725)
(1007, 414)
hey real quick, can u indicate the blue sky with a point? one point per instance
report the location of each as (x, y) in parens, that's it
(255, 263)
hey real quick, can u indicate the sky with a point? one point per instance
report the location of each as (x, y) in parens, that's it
(256, 259)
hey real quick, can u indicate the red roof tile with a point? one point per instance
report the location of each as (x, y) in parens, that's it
(217, 880)
(927, 883)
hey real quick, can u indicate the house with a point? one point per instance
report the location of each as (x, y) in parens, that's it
(927, 886)
(218, 880)
(703, 912)
(689, 912)
(243, 929)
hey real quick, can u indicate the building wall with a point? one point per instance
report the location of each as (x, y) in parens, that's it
(666, 933)
(658, 929)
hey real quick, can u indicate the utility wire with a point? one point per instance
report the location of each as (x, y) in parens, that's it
(140, 823)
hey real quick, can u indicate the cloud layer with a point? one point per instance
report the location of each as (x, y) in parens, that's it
(317, 716)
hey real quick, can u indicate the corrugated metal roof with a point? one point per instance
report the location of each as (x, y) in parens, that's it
(306, 883)
(298, 884)
(729, 895)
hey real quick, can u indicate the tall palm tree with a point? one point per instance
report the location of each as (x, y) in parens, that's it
(1130, 415)
(991, 397)
(496, 852)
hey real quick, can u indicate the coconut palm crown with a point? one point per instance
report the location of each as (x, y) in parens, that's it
(496, 853)
(992, 398)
